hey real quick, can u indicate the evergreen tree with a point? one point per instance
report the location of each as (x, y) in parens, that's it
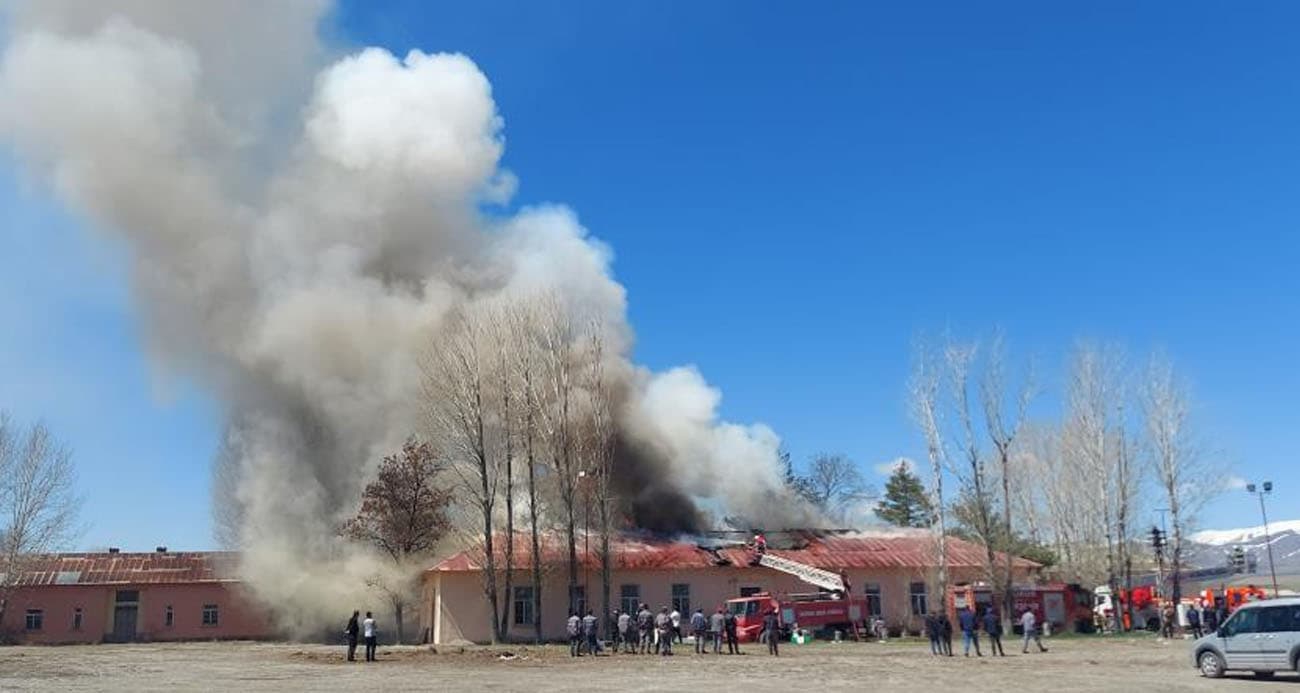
(906, 503)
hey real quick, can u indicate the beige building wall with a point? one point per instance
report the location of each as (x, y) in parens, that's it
(457, 598)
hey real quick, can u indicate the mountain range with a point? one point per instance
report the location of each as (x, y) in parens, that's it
(1211, 548)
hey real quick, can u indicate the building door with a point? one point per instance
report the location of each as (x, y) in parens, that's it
(124, 622)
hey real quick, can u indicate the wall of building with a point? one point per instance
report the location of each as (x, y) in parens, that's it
(465, 613)
(237, 615)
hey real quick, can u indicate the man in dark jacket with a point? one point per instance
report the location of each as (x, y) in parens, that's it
(733, 637)
(932, 632)
(699, 626)
(589, 632)
(945, 634)
(351, 630)
(993, 626)
(970, 631)
(772, 628)
(1194, 621)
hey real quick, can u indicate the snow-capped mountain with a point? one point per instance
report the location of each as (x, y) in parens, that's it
(1249, 535)
(1211, 548)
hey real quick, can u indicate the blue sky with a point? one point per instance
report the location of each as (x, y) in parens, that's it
(793, 194)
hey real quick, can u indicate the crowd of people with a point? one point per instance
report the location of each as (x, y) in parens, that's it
(646, 632)
(939, 629)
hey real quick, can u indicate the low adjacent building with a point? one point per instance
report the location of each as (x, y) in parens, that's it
(895, 571)
(125, 597)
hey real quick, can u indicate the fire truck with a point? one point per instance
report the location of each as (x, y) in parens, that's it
(832, 607)
(1065, 606)
(1146, 607)
(812, 611)
(1233, 597)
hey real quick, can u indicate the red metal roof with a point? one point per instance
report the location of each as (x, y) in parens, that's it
(827, 550)
(129, 568)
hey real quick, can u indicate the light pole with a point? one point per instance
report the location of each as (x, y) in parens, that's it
(1266, 488)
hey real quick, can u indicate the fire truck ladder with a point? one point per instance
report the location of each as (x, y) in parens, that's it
(813, 576)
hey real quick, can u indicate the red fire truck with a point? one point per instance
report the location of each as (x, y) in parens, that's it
(1065, 606)
(804, 611)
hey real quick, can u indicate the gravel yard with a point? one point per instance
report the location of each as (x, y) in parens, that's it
(1076, 664)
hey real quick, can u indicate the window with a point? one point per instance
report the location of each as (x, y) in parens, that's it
(919, 606)
(524, 606)
(76, 618)
(35, 619)
(209, 614)
(1244, 621)
(682, 598)
(1279, 619)
(750, 591)
(874, 605)
(629, 598)
(168, 617)
(128, 596)
(579, 599)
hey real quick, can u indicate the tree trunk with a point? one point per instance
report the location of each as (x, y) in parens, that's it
(510, 515)
(606, 567)
(397, 620)
(487, 501)
(1008, 597)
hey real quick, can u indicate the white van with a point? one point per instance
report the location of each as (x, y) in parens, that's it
(1263, 637)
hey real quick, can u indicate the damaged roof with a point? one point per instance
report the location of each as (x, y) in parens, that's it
(129, 568)
(829, 550)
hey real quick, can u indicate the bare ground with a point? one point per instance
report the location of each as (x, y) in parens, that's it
(1077, 664)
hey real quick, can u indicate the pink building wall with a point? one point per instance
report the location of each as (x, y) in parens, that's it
(238, 617)
(457, 596)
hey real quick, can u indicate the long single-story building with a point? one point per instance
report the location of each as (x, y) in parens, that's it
(894, 570)
(124, 597)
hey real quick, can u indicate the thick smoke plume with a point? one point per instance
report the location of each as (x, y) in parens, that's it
(301, 221)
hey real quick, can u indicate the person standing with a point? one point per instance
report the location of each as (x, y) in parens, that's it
(625, 632)
(676, 618)
(369, 632)
(1194, 621)
(1029, 623)
(970, 634)
(717, 625)
(1211, 620)
(664, 629)
(772, 628)
(733, 638)
(932, 630)
(589, 633)
(644, 626)
(945, 634)
(699, 626)
(350, 631)
(993, 626)
(574, 629)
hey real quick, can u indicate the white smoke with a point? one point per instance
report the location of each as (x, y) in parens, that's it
(298, 230)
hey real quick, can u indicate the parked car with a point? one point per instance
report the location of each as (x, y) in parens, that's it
(1262, 637)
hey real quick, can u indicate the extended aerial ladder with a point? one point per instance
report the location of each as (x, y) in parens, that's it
(824, 579)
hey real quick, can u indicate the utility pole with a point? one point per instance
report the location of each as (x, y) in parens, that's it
(586, 542)
(1266, 488)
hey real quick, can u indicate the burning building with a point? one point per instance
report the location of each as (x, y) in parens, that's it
(893, 571)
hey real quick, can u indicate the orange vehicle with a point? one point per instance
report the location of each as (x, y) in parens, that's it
(1234, 597)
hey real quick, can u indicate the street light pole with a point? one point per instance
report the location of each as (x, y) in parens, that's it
(1267, 487)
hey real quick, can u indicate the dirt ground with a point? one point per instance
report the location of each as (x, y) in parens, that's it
(1075, 664)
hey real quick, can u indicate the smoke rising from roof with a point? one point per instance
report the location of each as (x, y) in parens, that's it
(299, 227)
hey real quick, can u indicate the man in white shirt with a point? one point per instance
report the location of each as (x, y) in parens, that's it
(1029, 623)
(676, 617)
(368, 630)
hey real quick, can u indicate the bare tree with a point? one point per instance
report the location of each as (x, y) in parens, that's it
(1180, 468)
(834, 484)
(972, 471)
(38, 505)
(1003, 433)
(923, 397)
(457, 377)
(501, 328)
(558, 376)
(403, 513)
(523, 318)
(600, 453)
